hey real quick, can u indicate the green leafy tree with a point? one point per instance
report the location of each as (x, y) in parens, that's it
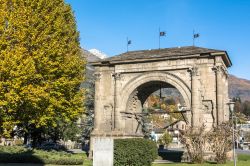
(240, 118)
(246, 108)
(41, 68)
(238, 106)
(165, 139)
(247, 136)
(88, 118)
(71, 131)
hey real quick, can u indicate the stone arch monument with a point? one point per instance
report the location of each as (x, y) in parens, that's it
(124, 82)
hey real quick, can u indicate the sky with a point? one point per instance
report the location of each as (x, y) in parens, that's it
(222, 24)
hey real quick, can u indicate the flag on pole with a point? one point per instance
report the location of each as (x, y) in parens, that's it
(162, 33)
(196, 35)
(128, 43)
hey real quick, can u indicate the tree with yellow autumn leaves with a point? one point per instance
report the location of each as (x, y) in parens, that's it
(41, 67)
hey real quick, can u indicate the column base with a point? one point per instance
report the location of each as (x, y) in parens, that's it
(115, 134)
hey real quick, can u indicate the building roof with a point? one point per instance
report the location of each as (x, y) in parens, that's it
(162, 54)
(172, 124)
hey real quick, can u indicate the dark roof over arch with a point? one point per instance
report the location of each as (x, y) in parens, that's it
(164, 54)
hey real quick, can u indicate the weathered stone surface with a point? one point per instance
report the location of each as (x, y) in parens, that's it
(123, 82)
(103, 153)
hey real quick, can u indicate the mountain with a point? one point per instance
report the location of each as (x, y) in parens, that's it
(90, 57)
(89, 72)
(98, 53)
(239, 87)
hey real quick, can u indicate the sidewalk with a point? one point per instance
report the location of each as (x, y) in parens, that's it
(162, 162)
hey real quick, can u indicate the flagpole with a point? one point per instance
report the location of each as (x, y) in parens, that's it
(127, 44)
(159, 38)
(193, 37)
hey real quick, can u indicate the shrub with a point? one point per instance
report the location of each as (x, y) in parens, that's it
(195, 141)
(221, 142)
(19, 154)
(134, 152)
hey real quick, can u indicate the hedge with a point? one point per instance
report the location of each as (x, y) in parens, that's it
(134, 152)
(18, 154)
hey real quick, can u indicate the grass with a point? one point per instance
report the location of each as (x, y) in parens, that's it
(243, 160)
(244, 157)
(239, 163)
(86, 162)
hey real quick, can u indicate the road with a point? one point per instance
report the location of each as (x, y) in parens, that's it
(239, 151)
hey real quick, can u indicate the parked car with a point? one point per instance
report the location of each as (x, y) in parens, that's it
(28, 146)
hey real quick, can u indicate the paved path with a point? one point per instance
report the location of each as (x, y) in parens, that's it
(239, 151)
(162, 161)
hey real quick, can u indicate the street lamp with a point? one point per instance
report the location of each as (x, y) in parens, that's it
(177, 132)
(231, 108)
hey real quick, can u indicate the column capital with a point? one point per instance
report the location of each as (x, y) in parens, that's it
(193, 71)
(97, 76)
(220, 69)
(117, 76)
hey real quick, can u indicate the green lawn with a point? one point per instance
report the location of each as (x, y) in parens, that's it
(87, 162)
(244, 160)
(239, 163)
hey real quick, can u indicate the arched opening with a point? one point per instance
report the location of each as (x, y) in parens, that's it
(131, 104)
(150, 101)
